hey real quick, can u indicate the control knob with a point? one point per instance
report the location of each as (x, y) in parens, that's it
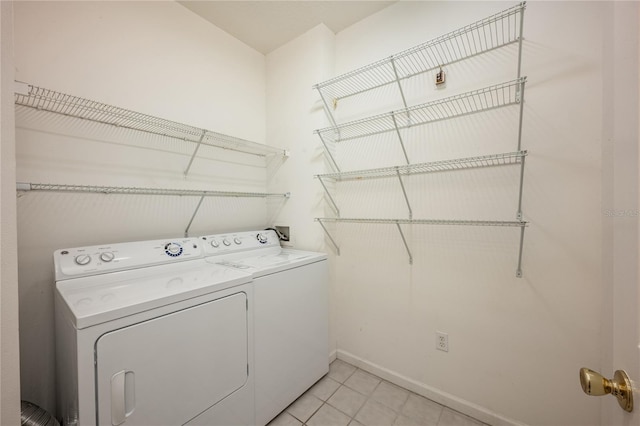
(173, 249)
(226, 242)
(83, 259)
(262, 238)
(237, 240)
(107, 256)
(215, 244)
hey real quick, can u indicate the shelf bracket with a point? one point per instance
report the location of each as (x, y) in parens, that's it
(329, 236)
(406, 246)
(519, 270)
(195, 151)
(333, 203)
(186, 231)
(404, 192)
(395, 124)
(404, 100)
(328, 110)
(520, 99)
(334, 165)
(519, 213)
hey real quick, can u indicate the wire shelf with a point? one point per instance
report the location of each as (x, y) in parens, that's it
(20, 186)
(491, 97)
(515, 223)
(73, 106)
(491, 33)
(435, 166)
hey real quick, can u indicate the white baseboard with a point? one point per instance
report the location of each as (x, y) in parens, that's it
(429, 392)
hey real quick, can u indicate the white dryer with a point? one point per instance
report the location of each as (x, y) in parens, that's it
(291, 314)
(148, 333)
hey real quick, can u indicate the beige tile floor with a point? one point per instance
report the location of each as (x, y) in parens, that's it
(351, 396)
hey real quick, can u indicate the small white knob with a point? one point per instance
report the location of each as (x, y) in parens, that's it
(237, 240)
(107, 256)
(226, 242)
(262, 238)
(83, 259)
(215, 244)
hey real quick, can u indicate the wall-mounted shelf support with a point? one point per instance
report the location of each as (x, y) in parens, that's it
(519, 212)
(520, 99)
(517, 224)
(404, 192)
(324, 228)
(195, 151)
(395, 73)
(333, 203)
(520, 38)
(95, 189)
(333, 163)
(395, 125)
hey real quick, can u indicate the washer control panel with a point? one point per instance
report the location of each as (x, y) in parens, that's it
(93, 260)
(239, 241)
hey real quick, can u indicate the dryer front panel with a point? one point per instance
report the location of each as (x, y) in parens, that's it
(167, 370)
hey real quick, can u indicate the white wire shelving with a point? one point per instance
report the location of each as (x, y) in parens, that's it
(131, 190)
(43, 99)
(493, 160)
(397, 222)
(492, 97)
(493, 32)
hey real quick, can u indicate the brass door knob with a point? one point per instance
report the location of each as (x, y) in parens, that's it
(594, 383)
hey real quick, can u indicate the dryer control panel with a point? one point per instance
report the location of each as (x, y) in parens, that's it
(238, 242)
(94, 260)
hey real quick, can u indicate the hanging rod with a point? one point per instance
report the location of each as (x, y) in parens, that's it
(73, 106)
(493, 32)
(22, 186)
(516, 224)
(430, 167)
(488, 98)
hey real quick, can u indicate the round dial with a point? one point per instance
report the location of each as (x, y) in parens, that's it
(83, 259)
(215, 244)
(226, 242)
(173, 249)
(107, 256)
(262, 238)
(237, 240)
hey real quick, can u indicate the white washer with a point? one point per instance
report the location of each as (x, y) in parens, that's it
(149, 333)
(291, 314)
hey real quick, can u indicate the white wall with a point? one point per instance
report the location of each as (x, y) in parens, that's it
(9, 348)
(153, 57)
(293, 112)
(516, 345)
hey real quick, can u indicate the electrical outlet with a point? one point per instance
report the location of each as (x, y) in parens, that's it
(442, 341)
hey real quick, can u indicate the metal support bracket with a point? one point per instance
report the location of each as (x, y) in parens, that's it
(333, 203)
(406, 246)
(334, 165)
(404, 192)
(520, 99)
(519, 270)
(520, 37)
(519, 213)
(195, 151)
(395, 124)
(186, 231)
(328, 110)
(395, 72)
(335, 245)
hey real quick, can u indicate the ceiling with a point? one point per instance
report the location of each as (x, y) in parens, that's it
(266, 25)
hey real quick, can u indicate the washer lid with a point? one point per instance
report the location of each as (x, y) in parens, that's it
(93, 300)
(264, 262)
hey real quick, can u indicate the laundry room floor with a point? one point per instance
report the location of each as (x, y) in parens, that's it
(351, 396)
